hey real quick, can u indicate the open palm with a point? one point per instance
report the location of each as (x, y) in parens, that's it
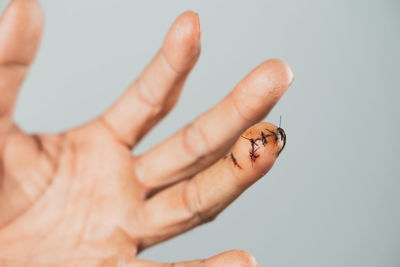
(80, 198)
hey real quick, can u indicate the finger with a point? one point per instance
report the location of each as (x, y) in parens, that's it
(232, 258)
(201, 198)
(21, 27)
(157, 89)
(208, 137)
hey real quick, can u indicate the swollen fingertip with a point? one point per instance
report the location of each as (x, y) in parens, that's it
(257, 149)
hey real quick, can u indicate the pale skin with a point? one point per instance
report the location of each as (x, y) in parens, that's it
(80, 198)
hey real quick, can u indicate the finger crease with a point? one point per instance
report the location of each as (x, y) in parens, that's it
(14, 65)
(103, 121)
(147, 97)
(238, 110)
(195, 141)
(192, 202)
(169, 65)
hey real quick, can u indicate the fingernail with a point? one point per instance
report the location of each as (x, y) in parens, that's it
(281, 135)
(200, 29)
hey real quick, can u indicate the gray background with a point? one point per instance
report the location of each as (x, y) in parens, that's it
(333, 197)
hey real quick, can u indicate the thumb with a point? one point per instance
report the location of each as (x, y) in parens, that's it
(231, 258)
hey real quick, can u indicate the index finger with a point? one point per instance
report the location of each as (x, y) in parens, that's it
(21, 27)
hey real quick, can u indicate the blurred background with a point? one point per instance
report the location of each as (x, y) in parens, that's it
(333, 197)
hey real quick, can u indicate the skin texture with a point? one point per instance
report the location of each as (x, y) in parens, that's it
(80, 198)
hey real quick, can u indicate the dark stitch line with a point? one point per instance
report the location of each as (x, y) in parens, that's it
(252, 154)
(264, 138)
(235, 161)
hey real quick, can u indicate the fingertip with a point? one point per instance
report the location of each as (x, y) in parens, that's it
(21, 27)
(256, 151)
(283, 73)
(182, 43)
(274, 76)
(26, 9)
(190, 26)
(234, 258)
(261, 89)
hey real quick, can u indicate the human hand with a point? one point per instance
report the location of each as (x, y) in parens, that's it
(80, 198)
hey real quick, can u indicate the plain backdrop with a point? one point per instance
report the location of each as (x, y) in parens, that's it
(333, 197)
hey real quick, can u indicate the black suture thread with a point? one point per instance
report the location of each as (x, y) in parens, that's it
(235, 161)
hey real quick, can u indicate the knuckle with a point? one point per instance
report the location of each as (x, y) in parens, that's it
(244, 111)
(147, 97)
(195, 142)
(109, 128)
(193, 203)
